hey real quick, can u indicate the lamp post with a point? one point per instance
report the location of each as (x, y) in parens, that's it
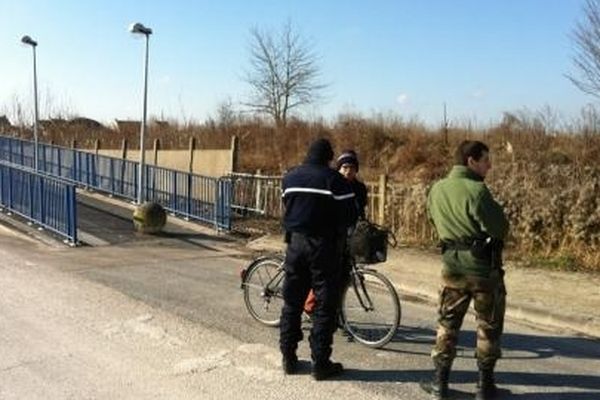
(29, 41)
(140, 29)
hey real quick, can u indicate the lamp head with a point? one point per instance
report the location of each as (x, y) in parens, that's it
(27, 40)
(139, 28)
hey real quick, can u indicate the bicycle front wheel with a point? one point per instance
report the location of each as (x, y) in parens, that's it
(371, 308)
(263, 290)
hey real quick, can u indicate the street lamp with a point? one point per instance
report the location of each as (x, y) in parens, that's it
(138, 28)
(29, 41)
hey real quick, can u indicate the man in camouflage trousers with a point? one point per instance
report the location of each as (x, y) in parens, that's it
(472, 227)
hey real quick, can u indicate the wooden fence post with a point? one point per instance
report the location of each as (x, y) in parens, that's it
(155, 149)
(124, 149)
(382, 198)
(258, 190)
(234, 153)
(192, 147)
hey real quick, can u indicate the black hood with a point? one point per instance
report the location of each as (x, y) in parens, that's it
(320, 152)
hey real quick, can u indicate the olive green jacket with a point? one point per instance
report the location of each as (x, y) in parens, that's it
(461, 208)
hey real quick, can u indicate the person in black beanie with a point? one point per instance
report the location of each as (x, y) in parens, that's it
(347, 165)
(319, 209)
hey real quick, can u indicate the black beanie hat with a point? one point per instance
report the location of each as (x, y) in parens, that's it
(347, 157)
(320, 152)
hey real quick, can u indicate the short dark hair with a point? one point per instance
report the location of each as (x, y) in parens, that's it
(469, 148)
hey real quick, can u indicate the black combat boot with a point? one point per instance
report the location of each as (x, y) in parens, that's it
(438, 386)
(326, 369)
(289, 363)
(486, 388)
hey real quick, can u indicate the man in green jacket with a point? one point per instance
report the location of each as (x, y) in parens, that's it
(472, 227)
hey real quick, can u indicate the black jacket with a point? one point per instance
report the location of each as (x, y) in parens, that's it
(318, 201)
(360, 191)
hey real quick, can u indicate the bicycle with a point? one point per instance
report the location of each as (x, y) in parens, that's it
(370, 309)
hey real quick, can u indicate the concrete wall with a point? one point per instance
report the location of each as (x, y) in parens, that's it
(213, 163)
(205, 162)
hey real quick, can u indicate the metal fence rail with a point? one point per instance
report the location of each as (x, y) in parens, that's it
(261, 194)
(391, 204)
(256, 194)
(193, 196)
(107, 174)
(41, 199)
(206, 199)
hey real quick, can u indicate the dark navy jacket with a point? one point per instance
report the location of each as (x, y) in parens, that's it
(318, 201)
(360, 191)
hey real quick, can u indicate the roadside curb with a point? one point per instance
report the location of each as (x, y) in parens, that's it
(555, 322)
(29, 231)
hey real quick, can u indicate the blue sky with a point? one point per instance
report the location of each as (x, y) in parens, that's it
(407, 57)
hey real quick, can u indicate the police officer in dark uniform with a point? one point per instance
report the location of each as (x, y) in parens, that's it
(347, 165)
(319, 209)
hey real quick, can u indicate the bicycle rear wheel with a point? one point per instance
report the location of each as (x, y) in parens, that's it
(263, 288)
(371, 308)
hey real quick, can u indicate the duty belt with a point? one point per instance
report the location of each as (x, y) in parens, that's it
(485, 249)
(464, 244)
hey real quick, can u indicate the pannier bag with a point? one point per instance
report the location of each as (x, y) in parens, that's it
(368, 243)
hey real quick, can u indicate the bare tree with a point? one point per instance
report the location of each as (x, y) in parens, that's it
(586, 37)
(284, 73)
(226, 113)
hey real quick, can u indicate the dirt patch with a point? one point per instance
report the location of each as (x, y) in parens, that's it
(253, 228)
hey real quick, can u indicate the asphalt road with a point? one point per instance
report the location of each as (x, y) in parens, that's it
(202, 286)
(195, 277)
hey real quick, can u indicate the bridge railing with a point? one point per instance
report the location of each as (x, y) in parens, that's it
(206, 199)
(41, 199)
(193, 196)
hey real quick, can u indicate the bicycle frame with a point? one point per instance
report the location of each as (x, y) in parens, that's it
(361, 293)
(276, 280)
(356, 280)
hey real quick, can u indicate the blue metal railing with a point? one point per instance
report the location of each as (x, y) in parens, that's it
(111, 175)
(193, 196)
(190, 195)
(48, 202)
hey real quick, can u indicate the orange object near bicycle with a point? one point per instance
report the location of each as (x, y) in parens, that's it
(311, 302)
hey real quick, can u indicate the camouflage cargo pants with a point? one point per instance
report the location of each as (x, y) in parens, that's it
(489, 302)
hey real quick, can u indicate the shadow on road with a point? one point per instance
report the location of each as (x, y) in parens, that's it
(586, 385)
(515, 346)
(532, 346)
